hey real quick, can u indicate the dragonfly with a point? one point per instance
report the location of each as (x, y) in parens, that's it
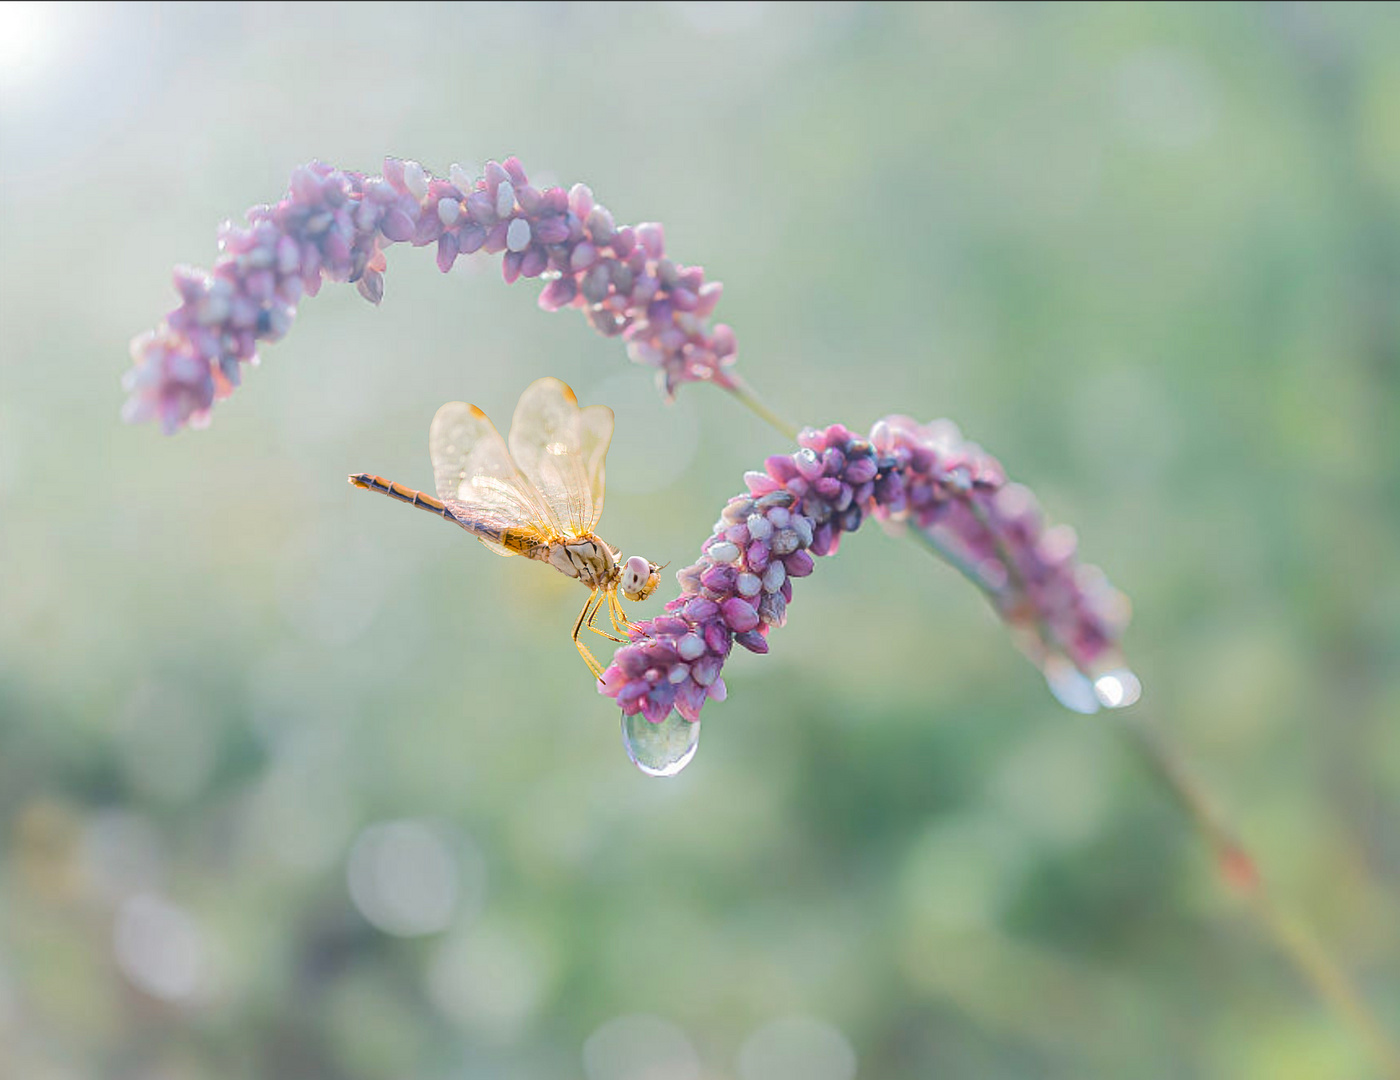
(538, 494)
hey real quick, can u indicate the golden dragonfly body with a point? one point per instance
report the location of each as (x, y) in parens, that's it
(539, 495)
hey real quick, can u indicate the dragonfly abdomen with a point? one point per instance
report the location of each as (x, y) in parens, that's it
(370, 482)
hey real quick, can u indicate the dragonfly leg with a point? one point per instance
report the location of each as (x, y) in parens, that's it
(612, 603)
(621, 623)
(588, 657)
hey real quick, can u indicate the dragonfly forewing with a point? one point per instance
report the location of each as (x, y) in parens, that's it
(501, 536)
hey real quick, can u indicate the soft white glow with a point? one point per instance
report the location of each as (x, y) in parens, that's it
(797, 1048)
(27, 40)
(640, 1047)
(1118, 689)
(1071, 687)
(490, 980)
(405, 880)
(159, 948)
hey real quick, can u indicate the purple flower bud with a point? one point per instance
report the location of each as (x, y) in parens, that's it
(397, 226)
(798, 564)
(595, 283)
(717, 639)
(691, 647)
(533, 262)
(558, 293)
(652, 238)
(668, 625)
(447, 251)
(632, 694)
(371, 286)
(753, 640)
(482, 208)
(705, 670)
(496, 238)
(510, 267)
(781, 467)
(808, 464)
(739, 614)
(719, 579)
(860, 470)
(601, 226)
(656, 706)
(632, 659)
(690, 697)
(699, 610)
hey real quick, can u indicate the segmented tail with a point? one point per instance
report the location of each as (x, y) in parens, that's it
(370, 482)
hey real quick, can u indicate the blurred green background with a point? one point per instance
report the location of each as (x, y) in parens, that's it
(296, 783)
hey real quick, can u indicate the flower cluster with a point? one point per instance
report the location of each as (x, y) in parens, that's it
(954, 493)
(335, 224)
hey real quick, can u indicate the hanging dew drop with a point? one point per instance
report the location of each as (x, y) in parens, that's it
(1071, 687)
(1118, 689)
(662, 749)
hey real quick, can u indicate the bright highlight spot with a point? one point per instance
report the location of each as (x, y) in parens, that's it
(27, 40)
(640, 1047)
(1071, 687)
(797, 1048)
(490, 980)
(1118, 689)
(404, 878)
(159, 948)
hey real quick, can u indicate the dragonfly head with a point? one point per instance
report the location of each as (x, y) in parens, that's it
(639, 578)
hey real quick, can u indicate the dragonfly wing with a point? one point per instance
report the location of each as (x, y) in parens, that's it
(476, 477)
(562, 449)
(504, 536)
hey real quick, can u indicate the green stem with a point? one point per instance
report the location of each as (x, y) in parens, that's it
(1328, 980)
(958, 563)
(745, 394)
(1237, 867)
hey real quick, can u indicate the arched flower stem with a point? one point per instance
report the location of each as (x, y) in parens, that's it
(1237, 868)
(744, 394)
(1239, 871)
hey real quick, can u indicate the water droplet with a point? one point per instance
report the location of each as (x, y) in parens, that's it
(1071, 687)
(662, 749)
(1118, 689)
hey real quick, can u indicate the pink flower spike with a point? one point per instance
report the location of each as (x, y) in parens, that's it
(1065, 615)
(333, 225)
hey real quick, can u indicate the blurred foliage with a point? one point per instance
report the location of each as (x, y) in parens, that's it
(1149, 255)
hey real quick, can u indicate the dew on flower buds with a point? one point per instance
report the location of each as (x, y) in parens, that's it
(518, 235)
(448, 211)
(461, 178)
(415, 179)
(784, 542)
(505, 199)
(662, 749)
(760, 528)
(1118, 689)
(724, 552)
(1071, 687)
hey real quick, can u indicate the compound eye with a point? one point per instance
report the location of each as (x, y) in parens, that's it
(635, 573)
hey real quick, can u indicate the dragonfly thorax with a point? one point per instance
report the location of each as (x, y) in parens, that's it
(588, 559)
